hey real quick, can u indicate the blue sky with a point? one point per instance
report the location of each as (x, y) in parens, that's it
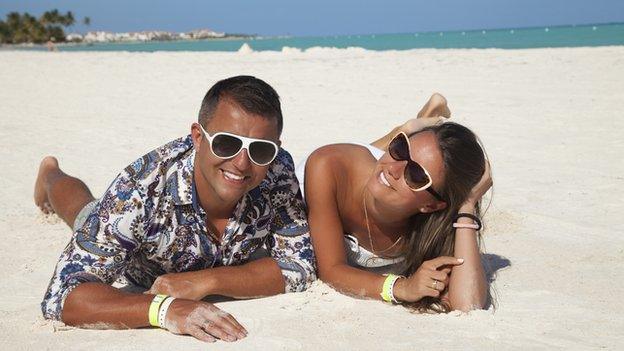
(325, 17)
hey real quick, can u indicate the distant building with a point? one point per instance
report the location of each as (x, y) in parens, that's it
(205, 34)
(102, 37)
(74, 37)
(99, 37)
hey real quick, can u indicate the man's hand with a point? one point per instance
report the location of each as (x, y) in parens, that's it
(202, 320)
(187, 285)
(429, 279)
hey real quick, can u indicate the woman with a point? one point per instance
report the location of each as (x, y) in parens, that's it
(399, 210)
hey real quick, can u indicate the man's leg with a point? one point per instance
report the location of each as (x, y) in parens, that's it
(435, 107)
(57, 192)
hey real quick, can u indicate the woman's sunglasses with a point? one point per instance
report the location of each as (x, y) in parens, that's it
(227, 145)
(416, 177)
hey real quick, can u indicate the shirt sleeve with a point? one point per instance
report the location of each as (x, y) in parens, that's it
(98, 250)
(289, 242)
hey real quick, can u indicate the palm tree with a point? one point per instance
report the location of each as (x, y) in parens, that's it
(86, 21)
(68, 20)
(33, 30)
(14, 21)
(50, 17)
(5, 34)
(16, 25)
(23, 28)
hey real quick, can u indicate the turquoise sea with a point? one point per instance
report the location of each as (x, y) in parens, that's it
(522, 38)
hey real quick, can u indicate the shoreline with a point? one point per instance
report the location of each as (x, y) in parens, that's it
(312, 51)
(540, 37)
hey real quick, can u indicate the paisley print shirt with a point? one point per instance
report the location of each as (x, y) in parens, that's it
(149, 223)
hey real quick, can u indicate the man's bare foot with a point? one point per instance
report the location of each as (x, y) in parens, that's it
(437, 106)
(47, 166)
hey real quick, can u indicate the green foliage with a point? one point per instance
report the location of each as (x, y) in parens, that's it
(25, 28)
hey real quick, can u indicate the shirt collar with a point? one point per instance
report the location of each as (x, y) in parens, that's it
(183, 191)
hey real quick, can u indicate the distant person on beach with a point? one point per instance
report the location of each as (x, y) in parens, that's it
(398, 220)
(184, 221)
(50, 45)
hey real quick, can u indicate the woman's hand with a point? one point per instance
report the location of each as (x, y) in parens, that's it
(481, 188)
(428, 280)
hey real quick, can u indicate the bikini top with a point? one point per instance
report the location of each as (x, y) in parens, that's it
(358, 256)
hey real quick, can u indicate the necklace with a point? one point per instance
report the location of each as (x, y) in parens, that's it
(211, 234)
(370, 237)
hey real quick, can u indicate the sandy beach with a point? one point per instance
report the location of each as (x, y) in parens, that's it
(550, 120)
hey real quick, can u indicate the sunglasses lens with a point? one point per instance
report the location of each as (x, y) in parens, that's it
(262, 152)
(415, 175)
(226, 146)
(399, 148)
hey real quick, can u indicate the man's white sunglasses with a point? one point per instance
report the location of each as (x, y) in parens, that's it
(227, 145)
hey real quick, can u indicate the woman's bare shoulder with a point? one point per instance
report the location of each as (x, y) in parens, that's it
(340, 153)
(338, 161)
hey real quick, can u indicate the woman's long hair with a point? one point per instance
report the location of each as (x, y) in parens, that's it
(433, 234)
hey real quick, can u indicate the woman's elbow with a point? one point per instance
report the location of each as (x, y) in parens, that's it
(469, 301)
(467, 307)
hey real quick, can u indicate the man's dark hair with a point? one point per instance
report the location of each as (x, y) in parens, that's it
(250, 93)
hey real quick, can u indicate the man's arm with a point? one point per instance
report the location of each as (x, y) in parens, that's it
(80, 293)
(258, 278)
(97, 305)
(99, 250)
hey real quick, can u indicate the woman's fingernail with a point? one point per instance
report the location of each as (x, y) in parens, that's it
(460, 260)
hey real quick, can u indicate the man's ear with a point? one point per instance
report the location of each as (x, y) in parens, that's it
(434, 206)
(196, 135)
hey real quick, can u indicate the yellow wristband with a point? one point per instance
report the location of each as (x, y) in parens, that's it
(387, 293)
(154, 307)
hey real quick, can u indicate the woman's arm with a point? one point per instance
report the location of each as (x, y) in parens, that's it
(411, 126)
(467, 284)
(433, 112)
(327, 231)
(383, 142)
(468, 287)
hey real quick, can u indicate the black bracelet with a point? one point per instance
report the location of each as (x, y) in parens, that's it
(471, 216)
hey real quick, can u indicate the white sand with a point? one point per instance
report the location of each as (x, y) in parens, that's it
(551, 120)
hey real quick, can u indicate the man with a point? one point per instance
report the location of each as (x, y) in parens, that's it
(184, 220)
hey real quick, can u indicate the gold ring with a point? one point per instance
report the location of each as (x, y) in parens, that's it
(435, 284)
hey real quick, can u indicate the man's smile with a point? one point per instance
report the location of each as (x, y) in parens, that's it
(233, 177)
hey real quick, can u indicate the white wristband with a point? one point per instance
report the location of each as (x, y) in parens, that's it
(162, 312)
(391, 290)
